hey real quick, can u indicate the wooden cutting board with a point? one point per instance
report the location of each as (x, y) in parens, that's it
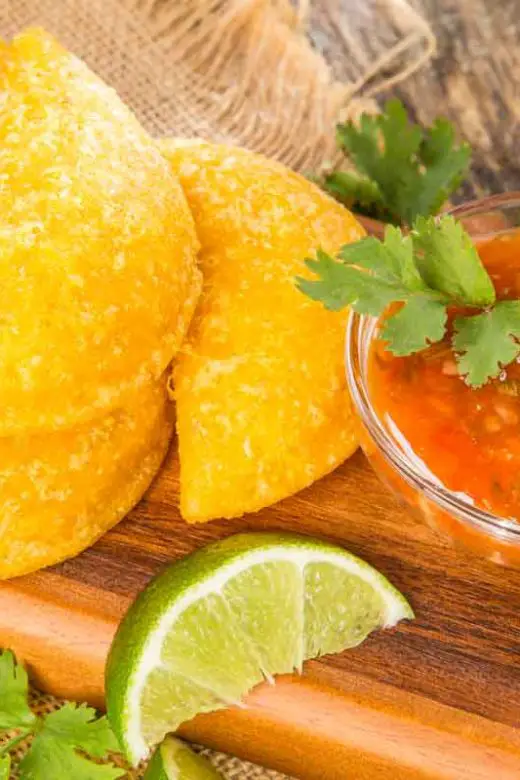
(438, 698)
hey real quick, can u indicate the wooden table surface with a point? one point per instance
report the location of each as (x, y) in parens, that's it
(434, 700)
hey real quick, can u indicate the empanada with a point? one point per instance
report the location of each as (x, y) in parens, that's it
(97, 245)
(262, 404)
(61, 491)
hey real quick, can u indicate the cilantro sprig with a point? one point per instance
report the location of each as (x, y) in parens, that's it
(432, 268)
(56, 738)
(403, 170)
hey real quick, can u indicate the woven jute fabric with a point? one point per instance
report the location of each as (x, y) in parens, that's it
(229, 767)
(272, 75)
(268, 74)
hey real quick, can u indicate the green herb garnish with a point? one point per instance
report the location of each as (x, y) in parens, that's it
(56, 738)
(403, 170)
(434, 267)
(487, 342)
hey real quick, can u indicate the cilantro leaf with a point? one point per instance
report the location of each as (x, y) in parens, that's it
(444, 166)
(381, 149)
(331, 289)
(486, 342)
(420, 322)
(5, 767)
(404, 170)
(433, 267)
(400, 253)
(14, 688)
(57, 737)
(393, 274)
(372, 275)
(79, 725)
(356, 191)
(53, 752)
(449, 262)
(342, 285)
(51, 758)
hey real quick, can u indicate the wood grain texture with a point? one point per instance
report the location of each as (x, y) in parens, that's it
(445, 686)
(475, 81)
(435, 699)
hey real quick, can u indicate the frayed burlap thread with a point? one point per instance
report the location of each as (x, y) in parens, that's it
(266, 74)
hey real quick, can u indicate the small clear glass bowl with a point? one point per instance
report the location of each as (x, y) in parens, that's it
(490, 536)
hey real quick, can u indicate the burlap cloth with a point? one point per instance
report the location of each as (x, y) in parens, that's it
(273, 75)
(229, 767)
(268, 74)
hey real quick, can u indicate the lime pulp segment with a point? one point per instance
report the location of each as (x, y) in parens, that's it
(218, 622)
(173, 760)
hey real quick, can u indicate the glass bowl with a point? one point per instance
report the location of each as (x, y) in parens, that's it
(493, 537)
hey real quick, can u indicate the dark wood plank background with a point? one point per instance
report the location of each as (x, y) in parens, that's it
(474, 79)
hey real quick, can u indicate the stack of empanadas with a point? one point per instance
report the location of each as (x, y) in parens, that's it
(98, 284)
(99, 270)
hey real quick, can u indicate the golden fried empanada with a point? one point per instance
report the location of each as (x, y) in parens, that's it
(262, 404)
(97, 245)
(61, 491)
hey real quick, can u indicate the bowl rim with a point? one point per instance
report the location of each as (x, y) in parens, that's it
(477, 205)
(500, 527)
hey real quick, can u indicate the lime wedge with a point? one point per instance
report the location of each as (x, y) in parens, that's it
(5, 767)
(173, 760)
(218, 622)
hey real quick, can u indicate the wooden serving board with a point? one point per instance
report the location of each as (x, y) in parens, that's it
(438, 698)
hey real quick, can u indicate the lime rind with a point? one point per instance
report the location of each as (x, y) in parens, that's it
(138, 647)
(155, 769)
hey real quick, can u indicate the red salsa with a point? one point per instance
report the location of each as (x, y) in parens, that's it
(469, 439)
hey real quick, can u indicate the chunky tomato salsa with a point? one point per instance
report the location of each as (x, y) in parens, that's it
(468, 438)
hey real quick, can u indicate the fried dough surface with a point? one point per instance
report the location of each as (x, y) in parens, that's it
(262, 404)
(97, 245)
(61, 491)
